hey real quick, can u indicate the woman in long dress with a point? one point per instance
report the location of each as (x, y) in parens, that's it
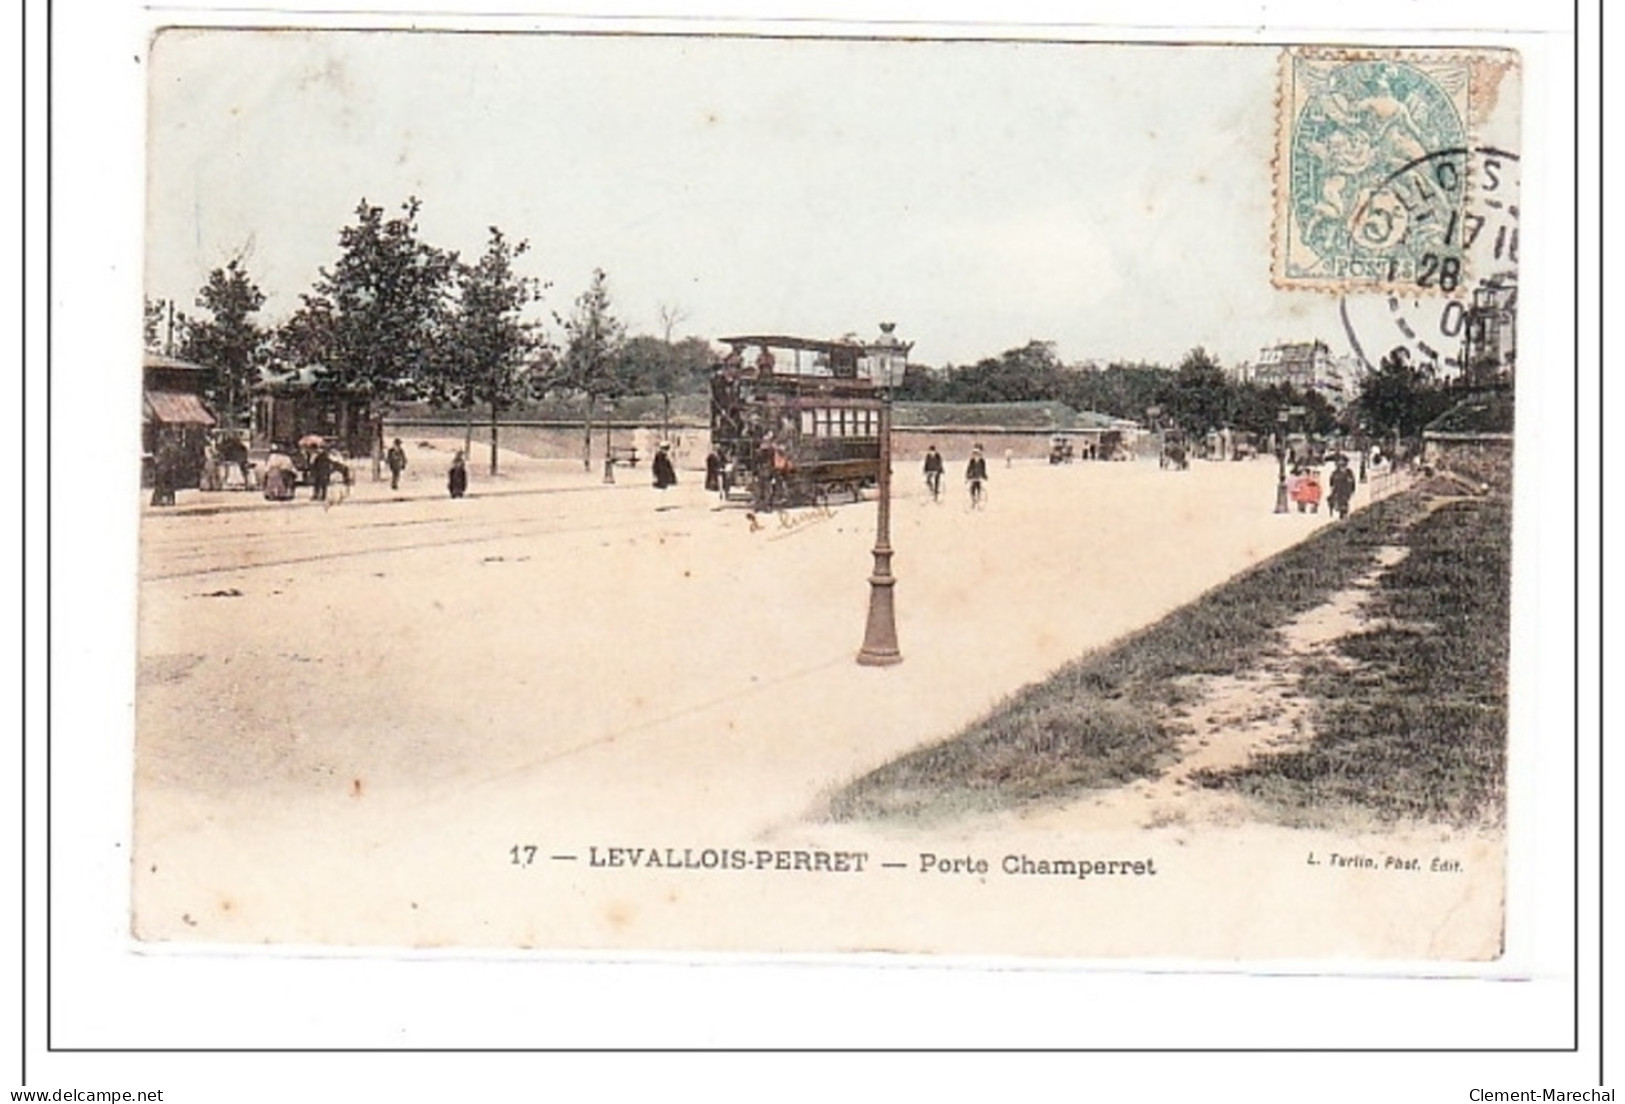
(279, 476)
(665, 475)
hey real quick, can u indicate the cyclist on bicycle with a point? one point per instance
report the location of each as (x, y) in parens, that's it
(933, 472)
(976, 476)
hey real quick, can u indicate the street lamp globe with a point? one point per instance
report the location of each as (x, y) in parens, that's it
(888, 358)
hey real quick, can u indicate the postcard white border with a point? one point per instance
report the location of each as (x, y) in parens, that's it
(107, 995)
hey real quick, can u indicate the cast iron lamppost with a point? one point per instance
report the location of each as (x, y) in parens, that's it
(887, 358)
(609, 433)
(1284, 419)
(1280, 459)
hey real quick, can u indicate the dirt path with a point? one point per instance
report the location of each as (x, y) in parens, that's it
(1231, 719)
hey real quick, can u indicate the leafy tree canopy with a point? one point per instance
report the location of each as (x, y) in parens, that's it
(594, 338)
(379, 315)
(226, 339)
(491, 342)
(1401, 396)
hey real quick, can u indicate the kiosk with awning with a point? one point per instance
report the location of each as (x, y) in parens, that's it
(174, 416)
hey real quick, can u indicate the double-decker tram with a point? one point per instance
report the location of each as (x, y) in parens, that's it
(795, 420)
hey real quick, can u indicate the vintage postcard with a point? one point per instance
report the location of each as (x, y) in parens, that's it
(715, 493)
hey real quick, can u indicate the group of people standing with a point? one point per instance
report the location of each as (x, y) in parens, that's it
(1303, 487)
(322, 467)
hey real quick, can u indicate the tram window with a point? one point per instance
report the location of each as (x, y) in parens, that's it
(807, 427)
(846, 423)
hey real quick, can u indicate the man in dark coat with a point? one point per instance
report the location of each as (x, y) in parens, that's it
(933, 471)
(165, 477)
(665, 475)
(395, 459)
(1342, 484)
(321, 474)
(976, 476)
(457, 477)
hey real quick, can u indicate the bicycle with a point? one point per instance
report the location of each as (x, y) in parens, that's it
(933, 483)
(978, 494)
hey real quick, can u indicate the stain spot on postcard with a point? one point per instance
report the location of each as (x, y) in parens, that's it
(160, 669)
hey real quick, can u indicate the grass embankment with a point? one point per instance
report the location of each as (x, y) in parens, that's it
(1099, 721)
(1418, 727)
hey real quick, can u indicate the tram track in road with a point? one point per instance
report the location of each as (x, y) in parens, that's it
(232, 546)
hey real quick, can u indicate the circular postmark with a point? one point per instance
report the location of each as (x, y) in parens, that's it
(1461, 315)
(1364, 127)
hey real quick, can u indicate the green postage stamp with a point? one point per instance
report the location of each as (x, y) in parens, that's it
(1374, 166)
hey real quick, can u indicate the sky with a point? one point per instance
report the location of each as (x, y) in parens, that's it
(1113, 199)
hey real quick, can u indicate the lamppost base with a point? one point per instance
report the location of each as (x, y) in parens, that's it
(1281, 506)
(609, 471)
(880, 634)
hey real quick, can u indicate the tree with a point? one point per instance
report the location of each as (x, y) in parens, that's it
(1121, 390)
(1026, 374)
(648, 367)
(651, 366)
(378, 317)
(592, 352)
(1399, 397)
(152, 323)
(491, 343)
(665, 371)
(228, 341)
(1198, 398)
(921, 383)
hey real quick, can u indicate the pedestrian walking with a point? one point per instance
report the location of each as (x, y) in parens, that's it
(457, 477)
(1308, 496)
(713, 470)
(321, 474)
(976, 477)
(165, 474)
(1342, 488)
(209, 478)
(664, 474)
(279, 476)
(395, 460)
(234, 453)
(933, 472)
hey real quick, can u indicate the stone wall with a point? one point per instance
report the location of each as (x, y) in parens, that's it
(690, 443)
(1484, 460)
(563, 440)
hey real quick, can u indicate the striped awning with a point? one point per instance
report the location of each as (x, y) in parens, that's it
(177, 408)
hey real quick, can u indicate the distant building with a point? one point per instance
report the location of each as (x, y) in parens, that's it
(1489, 352)
(1307, 366)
